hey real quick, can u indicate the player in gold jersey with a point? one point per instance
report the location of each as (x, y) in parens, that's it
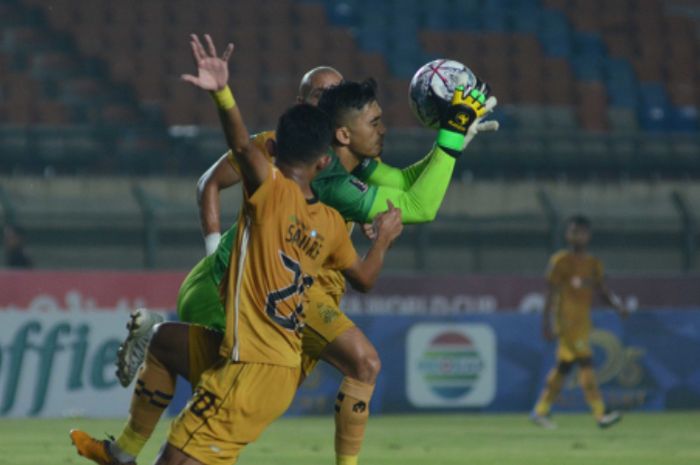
(285, 237)
(574, 277)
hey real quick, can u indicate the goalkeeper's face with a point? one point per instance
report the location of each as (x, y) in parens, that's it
(365, 131)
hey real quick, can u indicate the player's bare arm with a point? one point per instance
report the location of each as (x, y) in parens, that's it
(212, 75)
(363, 274)
(612, 299)
(219, 176)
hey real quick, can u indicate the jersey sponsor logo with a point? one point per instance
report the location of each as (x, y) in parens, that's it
(328, 313)
(361, 186)
(582, 282)
(451, 365)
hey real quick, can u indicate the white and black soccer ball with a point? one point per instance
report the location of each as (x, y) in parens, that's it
(432, 87)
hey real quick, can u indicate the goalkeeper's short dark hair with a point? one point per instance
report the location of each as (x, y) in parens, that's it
(579, 220)
(339, 100)
(304, 135)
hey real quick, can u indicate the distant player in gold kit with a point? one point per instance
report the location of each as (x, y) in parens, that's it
(574, 277)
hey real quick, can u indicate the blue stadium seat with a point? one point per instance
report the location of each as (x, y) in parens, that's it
(373, 41)
(684, 119)
(343, 13)
(463, 14)
(655, 118)
(619, 70)
(557, 45)
(493, 4)
(588, 44)
(588, 67)
(622, 94)
(494, 20)
(525, 19)
(435, 19)
(554, 23)
(653, 94)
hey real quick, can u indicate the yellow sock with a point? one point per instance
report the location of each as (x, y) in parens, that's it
(346, 460)
(542, 408)
(351, 415)
(555, 381)
(598, 408)
(131, 442)
(152, 394)
(590, 391)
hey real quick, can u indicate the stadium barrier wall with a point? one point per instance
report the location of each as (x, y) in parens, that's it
(447, 344)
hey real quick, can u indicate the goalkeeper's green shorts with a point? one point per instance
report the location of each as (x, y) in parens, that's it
(199, 301)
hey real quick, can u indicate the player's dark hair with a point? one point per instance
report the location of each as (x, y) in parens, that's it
(304, 134)
(579, 220)
(339, 100)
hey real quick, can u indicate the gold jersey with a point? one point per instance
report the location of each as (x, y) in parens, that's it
(575, 279)
(331, 281)
(282, 243)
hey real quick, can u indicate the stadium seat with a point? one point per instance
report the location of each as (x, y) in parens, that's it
(684, 119)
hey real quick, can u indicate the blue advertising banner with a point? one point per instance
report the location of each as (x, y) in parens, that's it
(498, 362)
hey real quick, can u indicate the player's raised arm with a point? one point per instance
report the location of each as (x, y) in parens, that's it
(212, 75)
(363, 274)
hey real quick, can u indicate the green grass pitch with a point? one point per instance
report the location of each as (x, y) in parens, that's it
(456, 439)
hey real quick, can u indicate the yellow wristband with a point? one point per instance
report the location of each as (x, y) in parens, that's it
(224, 99)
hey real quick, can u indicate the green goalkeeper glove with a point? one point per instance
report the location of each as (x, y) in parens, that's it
(465, 109)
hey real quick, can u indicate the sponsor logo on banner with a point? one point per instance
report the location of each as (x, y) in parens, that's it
(451, 365)
(57, 357)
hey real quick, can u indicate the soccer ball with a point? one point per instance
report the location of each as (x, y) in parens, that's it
(432, 87)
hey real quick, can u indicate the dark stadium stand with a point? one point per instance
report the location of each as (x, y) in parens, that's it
(582, 93)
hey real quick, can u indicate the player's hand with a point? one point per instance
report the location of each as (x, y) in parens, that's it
(466, 106)
(388, 224)
(480, 125)
(369, 231)
(212, 70)
(465, 111)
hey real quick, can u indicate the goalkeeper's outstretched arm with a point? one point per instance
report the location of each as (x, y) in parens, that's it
(421, 201)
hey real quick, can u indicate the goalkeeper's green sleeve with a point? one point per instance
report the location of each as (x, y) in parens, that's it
(375, 172)
(421, 201)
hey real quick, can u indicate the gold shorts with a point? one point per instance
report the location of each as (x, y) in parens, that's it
(203, 350)
(232, 404)
(324, 322)
(573, 347)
